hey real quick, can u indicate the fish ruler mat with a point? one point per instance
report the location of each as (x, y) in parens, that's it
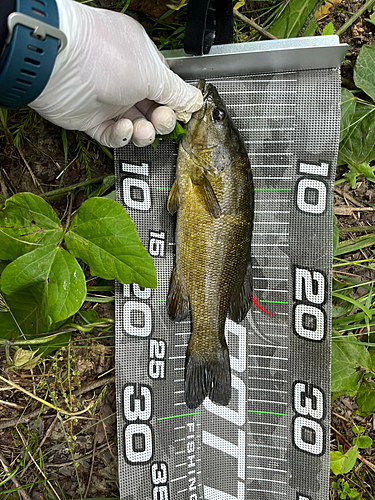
(272, 441)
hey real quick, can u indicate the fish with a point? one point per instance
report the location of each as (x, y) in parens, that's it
(213, 195)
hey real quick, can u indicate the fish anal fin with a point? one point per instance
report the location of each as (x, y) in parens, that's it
(200, 180)
(207, 374)
(178, 299)
(173, 202)
(242, 296)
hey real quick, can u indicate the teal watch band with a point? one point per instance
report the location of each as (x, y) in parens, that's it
(33, 41)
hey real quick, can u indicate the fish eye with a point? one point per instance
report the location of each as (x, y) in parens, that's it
(218, 114)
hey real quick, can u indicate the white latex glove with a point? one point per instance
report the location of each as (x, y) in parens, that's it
(109, 78)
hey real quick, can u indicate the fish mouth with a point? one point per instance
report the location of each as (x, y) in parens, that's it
(199, 115)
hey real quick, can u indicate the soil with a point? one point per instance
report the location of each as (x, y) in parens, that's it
(36, 167)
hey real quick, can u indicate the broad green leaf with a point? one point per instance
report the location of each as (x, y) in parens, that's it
(366, 398)
(103, 235)
(364, 75)
(26, 311)
(358, 145)
(26, 222)
(293, 18)
(336, 461)
(347, 355)
(351, 457)
(328, 29)
(348, 103)
(64, 285)
(342, 463)
(363, 442)
(358, 170)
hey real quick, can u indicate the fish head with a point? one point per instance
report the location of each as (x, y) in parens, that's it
(211, 135)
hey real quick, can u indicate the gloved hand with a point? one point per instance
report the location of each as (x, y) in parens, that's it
(109, 77)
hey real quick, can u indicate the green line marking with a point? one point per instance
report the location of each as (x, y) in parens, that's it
(161, 300)
(177, 416)
(268, 413)
(273, 301)
(162, 189)
(274, 189)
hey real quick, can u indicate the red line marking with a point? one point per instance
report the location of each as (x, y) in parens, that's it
(260, 307)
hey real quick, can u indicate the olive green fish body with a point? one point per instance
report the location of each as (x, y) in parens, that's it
(213, 193)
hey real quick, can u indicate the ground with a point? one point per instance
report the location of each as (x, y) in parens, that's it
(77, 457)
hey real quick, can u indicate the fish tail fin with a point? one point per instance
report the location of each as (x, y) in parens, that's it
(207, 374)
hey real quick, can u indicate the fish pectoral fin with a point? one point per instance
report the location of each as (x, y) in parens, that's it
(242, 296)
(201, 181)
(173, 202)
(207, 374)
(178, 304)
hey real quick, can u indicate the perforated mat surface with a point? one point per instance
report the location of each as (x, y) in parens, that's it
(272, 441)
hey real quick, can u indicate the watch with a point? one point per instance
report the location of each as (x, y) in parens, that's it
(32, 44)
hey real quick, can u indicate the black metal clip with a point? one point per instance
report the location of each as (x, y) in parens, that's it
(208, 22)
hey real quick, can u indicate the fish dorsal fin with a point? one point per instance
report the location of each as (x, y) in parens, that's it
(178, 304)
(173, 199)
(200, 179)
(242, 293)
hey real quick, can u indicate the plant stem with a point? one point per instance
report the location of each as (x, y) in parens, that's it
(308, 18)
(253, 25)
(358, 229)
(63, 191)
(343, 28)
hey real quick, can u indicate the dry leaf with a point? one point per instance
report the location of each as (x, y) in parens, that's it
(323, 11)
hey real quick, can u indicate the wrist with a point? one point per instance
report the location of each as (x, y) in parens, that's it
(32, 44)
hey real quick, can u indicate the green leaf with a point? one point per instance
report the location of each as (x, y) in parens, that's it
(342, 463)
(358, 170)
(293, 18)
(336, 461)
(355, 244)
(328, 29)
(177, 133)
(348, 103)
(103, 235)
(366, 398)
(351, 457)
(26, 222)
(364, 76)
(335, 234)
(347, 355)
(25, 311)
(363, 442)
(358, 146)
(111, 196)
(64, 284)
(25, 359)
(355, 302)
(107, 183)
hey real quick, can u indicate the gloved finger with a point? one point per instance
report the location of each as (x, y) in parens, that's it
(163, 118)
(143, 130)
(113, 134)
(182, 97)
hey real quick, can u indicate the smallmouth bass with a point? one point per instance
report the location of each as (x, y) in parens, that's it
(213, 195)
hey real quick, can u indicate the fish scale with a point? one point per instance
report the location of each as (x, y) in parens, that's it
(272, 441)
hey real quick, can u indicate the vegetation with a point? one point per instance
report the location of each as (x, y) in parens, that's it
(44, 258)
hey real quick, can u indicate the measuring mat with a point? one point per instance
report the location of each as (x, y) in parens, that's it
(272, 441)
